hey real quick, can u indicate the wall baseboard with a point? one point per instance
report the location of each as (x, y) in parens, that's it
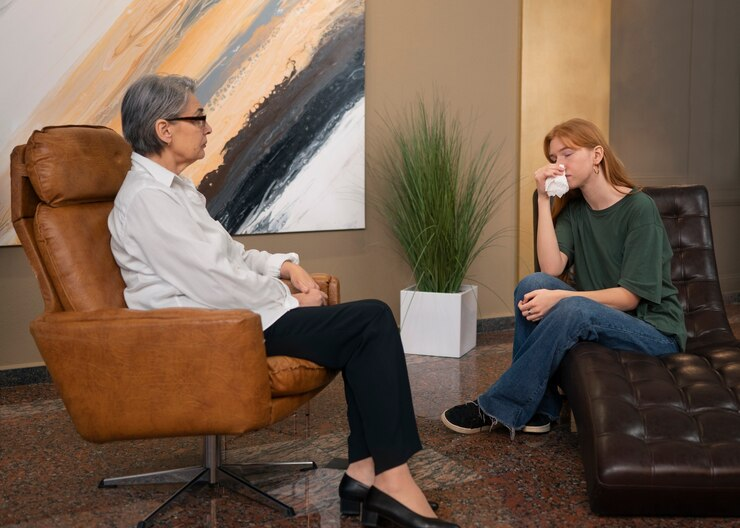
(24, 376)
(495, 324)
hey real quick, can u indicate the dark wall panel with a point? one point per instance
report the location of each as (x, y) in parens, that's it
(675, 104)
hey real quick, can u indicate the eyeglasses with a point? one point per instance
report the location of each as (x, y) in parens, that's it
(199, 120)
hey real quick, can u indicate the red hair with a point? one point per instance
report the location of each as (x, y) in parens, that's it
(578, 133)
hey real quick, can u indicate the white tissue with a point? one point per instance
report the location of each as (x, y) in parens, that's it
(557, 185)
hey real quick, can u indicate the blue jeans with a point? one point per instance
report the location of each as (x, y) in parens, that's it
(525, 389)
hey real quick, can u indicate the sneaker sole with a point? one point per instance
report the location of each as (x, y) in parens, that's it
(536, 429)
(462, 430)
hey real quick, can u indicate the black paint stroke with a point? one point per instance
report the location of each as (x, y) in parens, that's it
(285, 130)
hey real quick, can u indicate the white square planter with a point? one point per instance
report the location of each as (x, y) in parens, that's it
(439, 324)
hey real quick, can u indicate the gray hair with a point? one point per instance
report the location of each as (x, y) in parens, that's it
(148, 99)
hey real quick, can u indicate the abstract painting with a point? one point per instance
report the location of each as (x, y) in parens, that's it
(282, 82)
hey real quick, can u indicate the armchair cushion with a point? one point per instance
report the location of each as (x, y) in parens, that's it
(292, 376)
(96, 160)
(74, 243)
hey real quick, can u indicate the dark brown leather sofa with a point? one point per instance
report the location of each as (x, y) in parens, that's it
(661, 436)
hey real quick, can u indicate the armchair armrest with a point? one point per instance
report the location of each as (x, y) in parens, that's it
(125, 374)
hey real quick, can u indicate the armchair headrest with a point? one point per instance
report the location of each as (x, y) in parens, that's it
(77, 163)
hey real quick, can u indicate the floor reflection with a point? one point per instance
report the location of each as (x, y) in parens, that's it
(50, 475)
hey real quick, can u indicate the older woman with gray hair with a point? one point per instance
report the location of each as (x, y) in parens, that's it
(173, 254)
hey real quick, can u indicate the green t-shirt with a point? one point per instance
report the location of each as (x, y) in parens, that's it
(624, 245)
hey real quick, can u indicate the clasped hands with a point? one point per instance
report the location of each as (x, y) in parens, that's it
(536, 304)
(309, 293)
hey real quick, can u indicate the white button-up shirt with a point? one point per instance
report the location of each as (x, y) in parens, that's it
(173, 254)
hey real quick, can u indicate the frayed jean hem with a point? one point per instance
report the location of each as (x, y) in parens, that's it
(512, 430)
(496, 421)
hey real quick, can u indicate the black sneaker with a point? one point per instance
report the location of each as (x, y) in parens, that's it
(539, 424)
(467, 419)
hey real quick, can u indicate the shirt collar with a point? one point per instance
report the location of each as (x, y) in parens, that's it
(162, 175)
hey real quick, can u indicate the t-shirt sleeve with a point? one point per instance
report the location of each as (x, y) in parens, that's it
(564, 234)
(642, 263)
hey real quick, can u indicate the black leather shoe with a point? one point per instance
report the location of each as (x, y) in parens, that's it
(379, 505)
(352, 494)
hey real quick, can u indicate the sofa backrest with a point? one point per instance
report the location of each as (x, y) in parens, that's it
(685, 213)
(63, 183)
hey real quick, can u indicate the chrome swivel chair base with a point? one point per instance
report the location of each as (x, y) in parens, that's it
(209, 471)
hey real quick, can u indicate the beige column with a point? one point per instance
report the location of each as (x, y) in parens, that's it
(565, 73)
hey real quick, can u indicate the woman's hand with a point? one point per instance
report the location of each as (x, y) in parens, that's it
(309, 292)
(311, 298)
(543, 173)
(299, 278)
(536, 304)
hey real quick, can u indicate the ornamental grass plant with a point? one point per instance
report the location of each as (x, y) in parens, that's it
(441, 192)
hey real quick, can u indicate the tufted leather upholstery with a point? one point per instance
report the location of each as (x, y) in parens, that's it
(661, 436)
(122, 373)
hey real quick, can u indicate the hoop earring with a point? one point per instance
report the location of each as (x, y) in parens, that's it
(596, 169)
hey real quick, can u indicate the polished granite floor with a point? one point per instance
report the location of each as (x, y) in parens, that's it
(49, 475)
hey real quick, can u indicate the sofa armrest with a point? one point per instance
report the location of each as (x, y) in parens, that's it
(125, 374)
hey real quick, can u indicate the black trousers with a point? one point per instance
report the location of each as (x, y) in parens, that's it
(360, 339)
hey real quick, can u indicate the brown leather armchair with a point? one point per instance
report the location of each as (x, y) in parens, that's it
(126, 374)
